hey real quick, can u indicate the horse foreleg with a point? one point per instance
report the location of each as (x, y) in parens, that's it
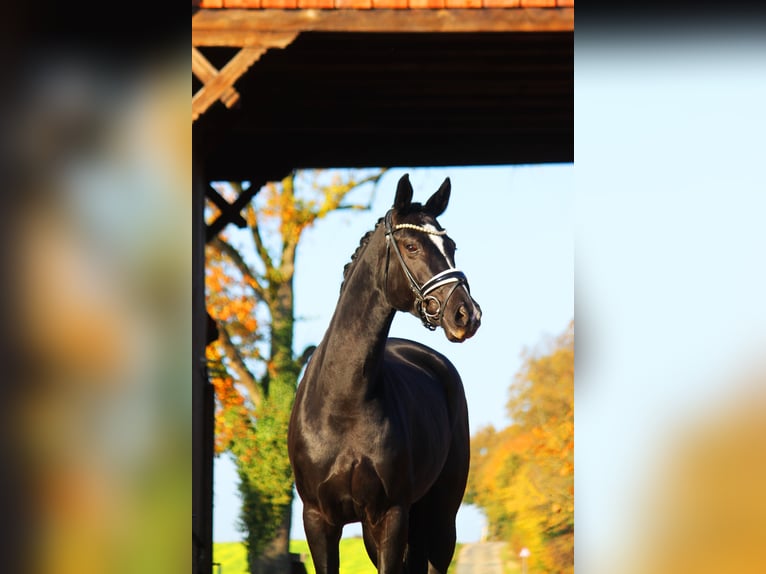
(390, 535)
(442, 539)
(416, 556)
(323, 539)
(370, 545)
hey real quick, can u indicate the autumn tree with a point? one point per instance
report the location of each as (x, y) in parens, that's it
(252, 365)
(523, 476)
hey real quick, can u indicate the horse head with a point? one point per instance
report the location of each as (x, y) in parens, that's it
(420, 273)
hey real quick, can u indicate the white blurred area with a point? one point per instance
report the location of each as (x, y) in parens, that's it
(97, 293)
(670, 392)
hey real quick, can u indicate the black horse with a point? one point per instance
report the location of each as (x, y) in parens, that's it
(379, 430)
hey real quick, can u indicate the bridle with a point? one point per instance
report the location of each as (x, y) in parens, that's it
(423, 292)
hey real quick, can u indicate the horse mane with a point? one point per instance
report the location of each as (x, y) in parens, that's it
(413, 207)
(362, 244)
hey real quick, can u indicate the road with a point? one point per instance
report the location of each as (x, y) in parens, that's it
(480, 558)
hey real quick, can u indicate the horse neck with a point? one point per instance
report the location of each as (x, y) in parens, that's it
(349, 359)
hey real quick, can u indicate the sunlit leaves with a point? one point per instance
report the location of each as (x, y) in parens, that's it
(233, 423)
(523, 476)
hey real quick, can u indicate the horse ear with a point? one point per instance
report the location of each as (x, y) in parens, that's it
(403, 193)
(437, 203)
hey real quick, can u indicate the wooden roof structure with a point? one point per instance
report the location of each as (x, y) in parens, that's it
(469, 84)
(285, 84)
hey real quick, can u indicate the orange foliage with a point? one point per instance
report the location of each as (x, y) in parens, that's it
(232, 416)
(523, 476)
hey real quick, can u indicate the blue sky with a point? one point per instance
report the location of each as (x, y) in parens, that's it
(514, 227)
(670, 231)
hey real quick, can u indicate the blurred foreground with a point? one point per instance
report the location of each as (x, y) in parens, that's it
(670, 392)
(95, 189)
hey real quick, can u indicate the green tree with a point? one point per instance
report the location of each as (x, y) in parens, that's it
(523, 476)
(253, 366)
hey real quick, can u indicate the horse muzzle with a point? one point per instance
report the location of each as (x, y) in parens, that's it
(462, 320)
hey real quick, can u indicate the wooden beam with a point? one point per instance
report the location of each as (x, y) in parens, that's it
(224, 79)
(229, 213)
(234, 27)
(219, 84)
(205, 71)
(234, 210)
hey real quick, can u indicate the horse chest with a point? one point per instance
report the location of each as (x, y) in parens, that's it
(368, 461)
(359, 487)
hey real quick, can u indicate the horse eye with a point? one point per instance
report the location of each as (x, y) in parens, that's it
(411, 247)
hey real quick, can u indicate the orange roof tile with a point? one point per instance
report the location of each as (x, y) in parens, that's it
(385, 4)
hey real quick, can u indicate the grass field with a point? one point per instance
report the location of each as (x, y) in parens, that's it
(353, 558)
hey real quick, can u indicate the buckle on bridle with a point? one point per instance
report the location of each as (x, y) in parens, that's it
(426, 317)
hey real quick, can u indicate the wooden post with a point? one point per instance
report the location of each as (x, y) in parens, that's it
(202, 393)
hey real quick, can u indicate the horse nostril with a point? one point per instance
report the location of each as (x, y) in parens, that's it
(461, 316)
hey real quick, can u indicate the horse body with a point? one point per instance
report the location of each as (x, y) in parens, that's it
(386, 433)
(379, 431)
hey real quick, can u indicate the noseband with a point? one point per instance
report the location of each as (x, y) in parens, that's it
(423, 292)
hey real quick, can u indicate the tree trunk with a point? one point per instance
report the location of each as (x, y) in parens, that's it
(275, 558)
(281, 382)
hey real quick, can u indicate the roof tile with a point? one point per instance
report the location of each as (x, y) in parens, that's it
(463, 3)
(357, 4)
(390, 3)
(316, 3)
(385, 4)
(426, 3)
(501, 3)
(279, 3)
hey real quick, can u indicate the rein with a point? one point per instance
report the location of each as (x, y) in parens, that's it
(423, 296)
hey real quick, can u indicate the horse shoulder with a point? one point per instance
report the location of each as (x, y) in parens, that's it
(413, 361)
(414, 356)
